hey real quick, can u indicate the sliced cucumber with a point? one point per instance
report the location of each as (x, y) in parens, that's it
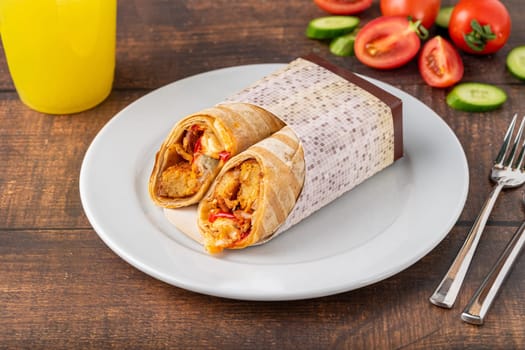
(331, 26)
(476, 97)
(343, 45)
(516, 62)
(443, 17)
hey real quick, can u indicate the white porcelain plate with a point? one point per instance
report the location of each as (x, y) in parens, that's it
(376, 230)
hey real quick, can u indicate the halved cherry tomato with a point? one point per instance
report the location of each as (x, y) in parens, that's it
(343, 7)
(425, 11)
(387, 42)
(440, 64)
(479, 26)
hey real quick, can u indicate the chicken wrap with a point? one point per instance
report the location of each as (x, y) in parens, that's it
(253, 194)
(340, 130)
(199, 145)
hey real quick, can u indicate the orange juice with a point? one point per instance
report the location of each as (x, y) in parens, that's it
(60, 53)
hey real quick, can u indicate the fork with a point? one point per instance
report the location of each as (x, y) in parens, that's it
(506, 173)
(479, 304)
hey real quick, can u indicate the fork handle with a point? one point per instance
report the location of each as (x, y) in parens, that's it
(446, 293)
(482, 299)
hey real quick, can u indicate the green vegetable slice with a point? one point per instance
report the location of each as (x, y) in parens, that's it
(329, 27)
(516, 62)
(476, 97)
(443, 17)
(343, 45)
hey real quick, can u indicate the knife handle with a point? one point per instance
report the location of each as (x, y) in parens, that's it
(479, 304)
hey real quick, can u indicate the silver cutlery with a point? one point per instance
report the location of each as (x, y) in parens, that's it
(479, 304)
(506, 172)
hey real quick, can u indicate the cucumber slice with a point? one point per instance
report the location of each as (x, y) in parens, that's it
(476, 97)
(516, 62)
(343, 45)
(443, 16)
(330, 27)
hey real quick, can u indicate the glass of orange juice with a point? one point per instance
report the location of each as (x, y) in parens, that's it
(60, 53)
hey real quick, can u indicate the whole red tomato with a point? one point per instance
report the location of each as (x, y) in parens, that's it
(479, 26)
(343, 7)
(424, 10)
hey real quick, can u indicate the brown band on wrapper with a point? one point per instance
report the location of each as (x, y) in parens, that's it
(350, 129)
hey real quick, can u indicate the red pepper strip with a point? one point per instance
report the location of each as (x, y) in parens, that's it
(224, 155)
(244, 235)
(197, 148)
(214, 216)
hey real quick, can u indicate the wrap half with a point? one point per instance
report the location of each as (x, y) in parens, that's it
(197, 147)
(253, 194)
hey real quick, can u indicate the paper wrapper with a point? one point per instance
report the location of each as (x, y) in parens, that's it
(350, 129)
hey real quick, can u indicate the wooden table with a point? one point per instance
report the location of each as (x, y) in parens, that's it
(62, 287)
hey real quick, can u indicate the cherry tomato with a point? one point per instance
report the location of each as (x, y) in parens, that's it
(479, 26)
(387, 42)
(425, 11)
(440, 64)
(343, 7)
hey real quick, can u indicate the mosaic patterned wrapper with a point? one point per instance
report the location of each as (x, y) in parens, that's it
(350, 129)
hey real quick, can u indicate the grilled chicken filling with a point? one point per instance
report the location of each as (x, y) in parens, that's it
(234, 202)
(191, 160)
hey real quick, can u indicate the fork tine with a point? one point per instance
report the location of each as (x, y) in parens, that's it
(521, 156)
(506, 141)
(519, 162)
(510, 158)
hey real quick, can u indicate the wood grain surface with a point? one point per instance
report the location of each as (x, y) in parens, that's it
(62, 287)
